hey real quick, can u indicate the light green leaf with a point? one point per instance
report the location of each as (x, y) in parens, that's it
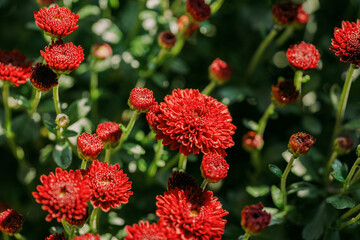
(275, 170)
(258, 191)
(277, 196)
(62, 155)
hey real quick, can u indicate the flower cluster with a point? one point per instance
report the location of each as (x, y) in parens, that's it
(10, 221)
(220, 71)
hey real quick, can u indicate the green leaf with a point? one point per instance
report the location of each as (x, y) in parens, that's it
(78, 109)
(295, 187)
(179, 66)
(332, 235)
(275, 170)
(341, 201)
(22, 101)
(89, 10)
(277, 196)
(312, 125)
(45, 153)
(114, 4)
(258, 191)
(160, 80)
(69, 133)
(134, 149)
(25, 128)
(250, 124)
(114, 219)
(50, 126)
(341, 171)
(62, 155)
(277, 217)
(352, 125)
(141, 165)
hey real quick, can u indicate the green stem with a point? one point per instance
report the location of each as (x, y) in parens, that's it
(153, 166)
(8, 131)
(182, 162)
(19, 236)
(264, 119)
(135, 29)
(350, 175)
(35, 102)
(283, 180)
(209, 88)
(203, 184)
(350, 212)
(94, 94)
(260, 50)
(72, 233)
(284, 36)
(56, 99)
(94, 219)
(246, 236)
(298, 79)
(215, 6)
(329, 164)
(127, 131)
(351, 221)
(170, 163)
(255, 161)
(5, 236)
(355, 178)
(66, 227)
(107, 155)
(83, 164)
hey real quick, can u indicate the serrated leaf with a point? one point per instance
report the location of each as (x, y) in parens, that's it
(277, 196)
(341, 171)
(69, 133)
(258, 191)
(62, 155)
(78, 109)
(341, 201)
(275, 170)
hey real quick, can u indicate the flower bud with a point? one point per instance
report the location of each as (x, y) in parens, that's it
(109, 133)
(343, 145)
(56, 236)
(43, 78)
(254, 219)
(62, 120)
(284, 93)
(198, 9)
(191, 27)
(101, 50)
(167, 40)
(300, 143)
(10, 221)
(252, 141)
(220, 71)
(78, 223)
(287, 13)
(213, 167)
(303, 56)
(141, 99)
(89, 146)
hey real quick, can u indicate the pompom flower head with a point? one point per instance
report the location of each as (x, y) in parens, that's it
(56, 21)
(14, 67)
(193, 122)
(346, 42)
(220, 71)
(166, 40)
(181, 180)
(109, 185)
(147, 231)
(287, 13)
(214, 167)
(87, 236)
(109, 133)
(141, 99)
(191, 27)
(63, 194)
(56, 236)
(252, 141)
(101, 50)
(303, 56)
(63, 58)
(300, 143)
(254, 219)
(198, 10)
(152, 116)
(10, 221)
(343, 145)
(284, 93)
(192, 213)
(43, 78)
(89, 146)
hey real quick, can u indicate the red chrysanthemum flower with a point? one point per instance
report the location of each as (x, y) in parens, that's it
(109, 185)
(13, 67)
(181, 180)
(79, 223)
(10, 221)
(214, 167)
(147, 231)
(343, 145)
(183, 21)
(63, 58)
(194, 122)
(303, 56)
(43, 78)
(284, 93)
(220, 71)
(192, 213)
(56, 21)
(252, 141)
(166, 40)
(198, 9)
(63, 194)
(87, 236)
(109, 133)
(286, 13)
(300, 143)
(89, 146)
(56, 236)
(346, 42)
(101, 50)
(254, 219)
(141, 99)
(152, 116)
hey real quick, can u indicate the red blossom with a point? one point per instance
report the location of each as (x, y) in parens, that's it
(147, 231)
(109, 185)
(214, 167)
(252, 141)
(303, 56)
(10, 221)
(56, 236)
(43, 78)
(166, 40)
(191, 26)
(193, 122)
(109, 133)
(101, 50)
(63, 194)
(300, 143)
(254, 219)
(89, 146)
(152, 116)
(87, 236)
(141, 99)
(343, 145)
(63, 58)
(198, 9)
(220, 71)
(284, 93)
(13, 67)
(56, 21)
(78, 222)
(286, 13)
(346, 42)
(181, 180)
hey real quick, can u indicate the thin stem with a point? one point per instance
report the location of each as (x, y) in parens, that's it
(351, 221)
(284, 36)
(246, 236)
(350, 212)
(56, 99)
(107, 154)
(330, 163)
(255, 161)
(8, 131)
(209, 88)
(94, 94)
(35, 102)
(355, 178)
(72, 233)
(203, 184)
(350, 175)
(83, 164)
(66, 227)
(182, 162)
(264, 119)
(127, 131)
(158, 152)
(5, 236)
(298, 79)
(260, 50)
(170, 163)
(94, 219)
(283, 179)
(215, 6)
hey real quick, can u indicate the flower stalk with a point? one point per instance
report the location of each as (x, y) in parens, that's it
(158, 152)
(283, 180)
(350, 212)
(209, 88)
(127, 130)
(56, 99)
(182, 162)
(203, 184)
(35, 102)
(246, 236)
(264, 119)
(107, 154)
(94, 219)
(350, 175)
(94, 93)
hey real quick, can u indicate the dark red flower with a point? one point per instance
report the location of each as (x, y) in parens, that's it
(300, 143)
(193, 122)
(303, 56)
(181, 180)
(166, 40)
(43, 78)
(254, 219)
(13, 67)
(89, 146)
(152, 116)
(63, 58)
(147, 231)
(220, 71)
(45, 3)
(214, 167)
(346, 42)
(285, 13)
(56, 236)
(101, 50)
(87, 236)
(109, 133)
(192, 213)
(56, 21)
(191, 26)
(109, 185)
(63, 194)
(198, 9)
(284, 93)
(141, 99)
(78, 222)
(4, 206)
(252, 141)
(343, 145)
(10, 221)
